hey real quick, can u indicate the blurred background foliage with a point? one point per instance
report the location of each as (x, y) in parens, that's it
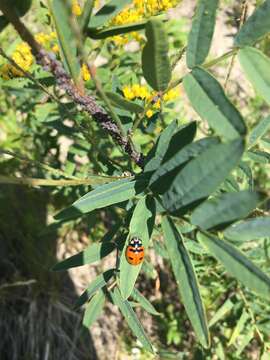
(44, 139)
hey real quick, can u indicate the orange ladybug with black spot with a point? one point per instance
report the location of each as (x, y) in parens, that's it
(135, 251)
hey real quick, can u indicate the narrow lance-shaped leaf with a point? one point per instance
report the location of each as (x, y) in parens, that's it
(186, 280)
(141, 226)
(200, 36)
(115, 30)
(256, 26)
(182, 155)
(104, 195)
(91, 254)
(251, 229)
(94, 309)
(239, 327)
(256, 67)
(155, 156)
(122, 103)
(155, 61)
(61, 13)
(209, 100)
(202, 175)
(221, 312)
(100, 281)
(131, 318)
(107, 12)
(237, 264)
(258, 131)
(145, 304)
(225, 208)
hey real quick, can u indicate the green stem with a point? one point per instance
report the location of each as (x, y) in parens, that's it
(91, 180)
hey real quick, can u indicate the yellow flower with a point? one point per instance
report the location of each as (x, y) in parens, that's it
(157, 104)
(119, 40)
(55, 48)
(128, 93)
(85, 73)
(149, 113)
(171, 94)
(76, 9)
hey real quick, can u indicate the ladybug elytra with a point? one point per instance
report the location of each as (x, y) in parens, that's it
(135, 251)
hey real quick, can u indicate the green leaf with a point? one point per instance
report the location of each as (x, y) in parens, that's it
(141, 226)
(239, 327)
(122, 103)
(244, 343)
(225, 208)
(156, 154)
(108, 12)
(256, 26)
(209, 100)
(248, 172)
(61, 14)
(258, 156)
(91, 254)
(221, 312)
(131, 318)
(115, 30)
(250, 229)
(86, 14)
(237, 264)
(94, 309)
(186, 280)
(155, 61)
(202, 175)
(99, 282)
(256, 67)
(200, 36)
(259, 131)
(181, 156)
(145, 304)
(104, 195)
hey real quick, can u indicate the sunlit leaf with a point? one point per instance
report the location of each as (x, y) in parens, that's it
(200, 36)
(91, 254)
(208, 99)
(94, 309)
(225, 208)
(131, 318)
(256, 67)
(237, 264)
(202, 175)
(186, 280)
(250, 229)
(155, 61)
(256, 26)
(141, 226)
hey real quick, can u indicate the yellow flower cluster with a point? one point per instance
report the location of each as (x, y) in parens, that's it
(138, 91)
(23, 57)
(137, 11)
(142, 8)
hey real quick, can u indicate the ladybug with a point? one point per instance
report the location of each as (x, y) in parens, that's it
(135, 251)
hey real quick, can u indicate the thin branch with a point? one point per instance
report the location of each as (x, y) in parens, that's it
(241, 21)
(86, 102)
(91, 180)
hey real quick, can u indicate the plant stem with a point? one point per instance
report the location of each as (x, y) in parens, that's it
(91, 180)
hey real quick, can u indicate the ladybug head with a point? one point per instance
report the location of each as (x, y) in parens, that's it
(135, 241)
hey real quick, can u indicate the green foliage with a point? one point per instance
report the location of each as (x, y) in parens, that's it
(255, 27)
(201, 33)
(202, 184)
(209, 100)
(155, 61)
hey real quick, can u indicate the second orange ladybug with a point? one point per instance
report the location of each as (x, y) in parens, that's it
(135, 251)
